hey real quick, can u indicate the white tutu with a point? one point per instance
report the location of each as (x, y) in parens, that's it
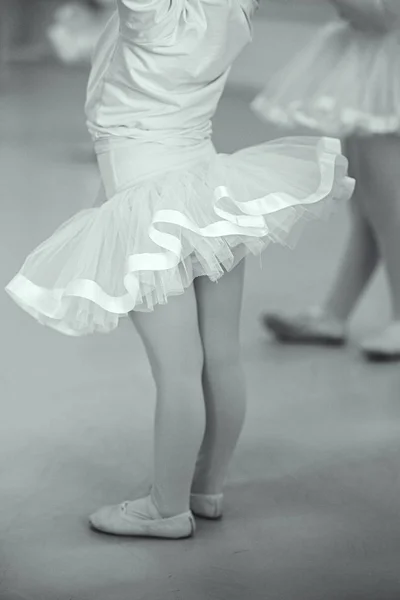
(344, 82)
(151, 237)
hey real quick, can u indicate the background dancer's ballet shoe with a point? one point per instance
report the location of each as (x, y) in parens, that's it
(207, 506)
(383, 346)
(141, 518)
(311, 327)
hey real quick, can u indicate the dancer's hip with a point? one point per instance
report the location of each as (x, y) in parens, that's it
(127, 162)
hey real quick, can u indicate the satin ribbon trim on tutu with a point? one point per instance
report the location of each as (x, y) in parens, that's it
(39, 301)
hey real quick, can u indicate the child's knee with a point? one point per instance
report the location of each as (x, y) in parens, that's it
(224, 357)
(181, 369)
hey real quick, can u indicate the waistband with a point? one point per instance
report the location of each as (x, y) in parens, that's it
(126, 162)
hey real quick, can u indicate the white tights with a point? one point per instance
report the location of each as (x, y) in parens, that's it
(193, 347)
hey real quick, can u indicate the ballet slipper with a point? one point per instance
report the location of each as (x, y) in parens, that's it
(311, 327)
(208, 506)
(383, 346)
(141, 518)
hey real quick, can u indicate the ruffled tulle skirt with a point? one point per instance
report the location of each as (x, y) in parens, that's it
(344, 82)
(149, 237)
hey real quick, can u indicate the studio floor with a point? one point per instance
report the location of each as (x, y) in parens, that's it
(312, 502)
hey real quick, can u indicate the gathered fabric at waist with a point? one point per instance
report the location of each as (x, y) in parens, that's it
(125, 162)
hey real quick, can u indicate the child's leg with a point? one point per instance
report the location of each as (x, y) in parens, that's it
(361, 254)
(358, 264)
(219, 307)
(382, 160)
(171, 337)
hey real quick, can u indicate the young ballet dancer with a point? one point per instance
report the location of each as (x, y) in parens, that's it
(347, 83)
(174, 218)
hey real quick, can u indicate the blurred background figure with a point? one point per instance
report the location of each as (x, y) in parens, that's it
(77, 27)
(346, 82)
(32, 31)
